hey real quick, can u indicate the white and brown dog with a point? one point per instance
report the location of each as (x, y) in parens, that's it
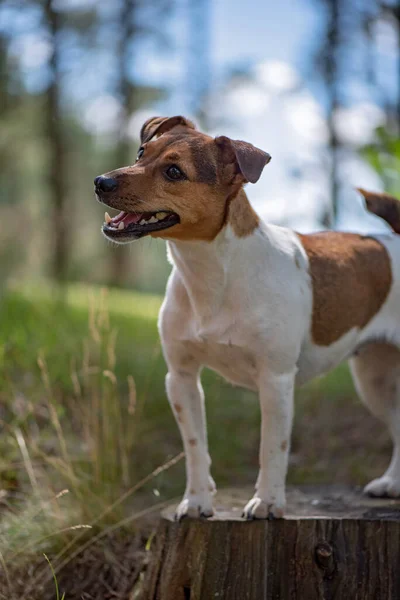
(262, 305)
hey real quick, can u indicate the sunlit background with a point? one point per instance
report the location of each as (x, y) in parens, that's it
(316, 83)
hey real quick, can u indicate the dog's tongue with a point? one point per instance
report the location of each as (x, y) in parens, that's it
(127, 218)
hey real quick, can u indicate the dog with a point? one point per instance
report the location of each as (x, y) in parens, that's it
(264, 306)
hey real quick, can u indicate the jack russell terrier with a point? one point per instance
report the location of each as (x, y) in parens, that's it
(262, 305)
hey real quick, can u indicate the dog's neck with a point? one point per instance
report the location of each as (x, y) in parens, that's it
(207, 269)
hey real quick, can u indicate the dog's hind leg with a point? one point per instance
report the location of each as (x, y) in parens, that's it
(376, 373)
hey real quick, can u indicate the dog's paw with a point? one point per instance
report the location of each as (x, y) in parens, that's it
(384, 487)
(257, 508)
(195, 506)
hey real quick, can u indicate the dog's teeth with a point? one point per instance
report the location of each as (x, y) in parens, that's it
(142, 222)
(121, 225)
(161, 215)
(107, 218)
(152, 220)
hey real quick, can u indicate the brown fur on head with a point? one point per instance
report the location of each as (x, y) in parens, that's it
(198, 202)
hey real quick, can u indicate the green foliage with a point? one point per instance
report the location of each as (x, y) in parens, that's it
(383, 154)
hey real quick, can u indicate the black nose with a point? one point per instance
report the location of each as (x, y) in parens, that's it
(105, 184)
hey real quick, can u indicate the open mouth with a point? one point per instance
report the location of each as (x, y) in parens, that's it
(135, 225)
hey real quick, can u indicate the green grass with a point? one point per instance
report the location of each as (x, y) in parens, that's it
(34, 323)
(58, 597)
(70, 417)
(83, 407)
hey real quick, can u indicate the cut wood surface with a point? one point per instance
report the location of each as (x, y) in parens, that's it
(333, 544)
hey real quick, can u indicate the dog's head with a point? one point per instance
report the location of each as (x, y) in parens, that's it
(180, 185)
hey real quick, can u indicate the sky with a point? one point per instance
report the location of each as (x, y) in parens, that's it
(280, 108)
(256, 29)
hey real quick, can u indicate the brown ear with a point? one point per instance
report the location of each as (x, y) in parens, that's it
(249, 159)
(159, 125)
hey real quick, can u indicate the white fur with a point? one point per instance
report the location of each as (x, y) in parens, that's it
(243, 307)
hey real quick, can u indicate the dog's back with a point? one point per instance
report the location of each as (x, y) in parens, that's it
(356, 289)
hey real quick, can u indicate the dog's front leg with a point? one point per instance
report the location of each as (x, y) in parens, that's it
(276, 400)
(186, 397)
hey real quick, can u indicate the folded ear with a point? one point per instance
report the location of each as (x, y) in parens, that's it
(249, 159)
(159, 125)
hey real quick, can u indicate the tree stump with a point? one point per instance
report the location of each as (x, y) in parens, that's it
(333, 544)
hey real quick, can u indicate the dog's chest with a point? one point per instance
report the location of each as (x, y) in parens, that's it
(234, 361)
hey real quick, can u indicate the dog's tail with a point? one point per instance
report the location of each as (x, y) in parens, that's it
(383, 205)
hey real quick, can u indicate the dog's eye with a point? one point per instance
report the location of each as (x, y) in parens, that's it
(174, 173)
(140, 153)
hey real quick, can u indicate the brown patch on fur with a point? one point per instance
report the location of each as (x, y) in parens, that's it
(351, 278)
(384, 206)
(178, 408)
(192, 491)
(241, 216)
(204, 162)
(284, 446)
(159, 125)
(193, 442)
(378, 381)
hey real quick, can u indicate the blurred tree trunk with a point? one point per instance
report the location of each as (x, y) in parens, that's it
(391, 10)
(4, 108)
(57, 166)
(121, 259)
(3, 76)
(396, 16)
(329, 64)
(394, 11)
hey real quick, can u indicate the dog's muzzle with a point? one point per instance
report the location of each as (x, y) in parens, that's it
(128, 226)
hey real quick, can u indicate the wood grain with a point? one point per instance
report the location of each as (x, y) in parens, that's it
(319, 553)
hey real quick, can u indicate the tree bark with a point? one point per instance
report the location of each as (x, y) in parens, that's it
(57, 167)
(331, 74)
(331, 546)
